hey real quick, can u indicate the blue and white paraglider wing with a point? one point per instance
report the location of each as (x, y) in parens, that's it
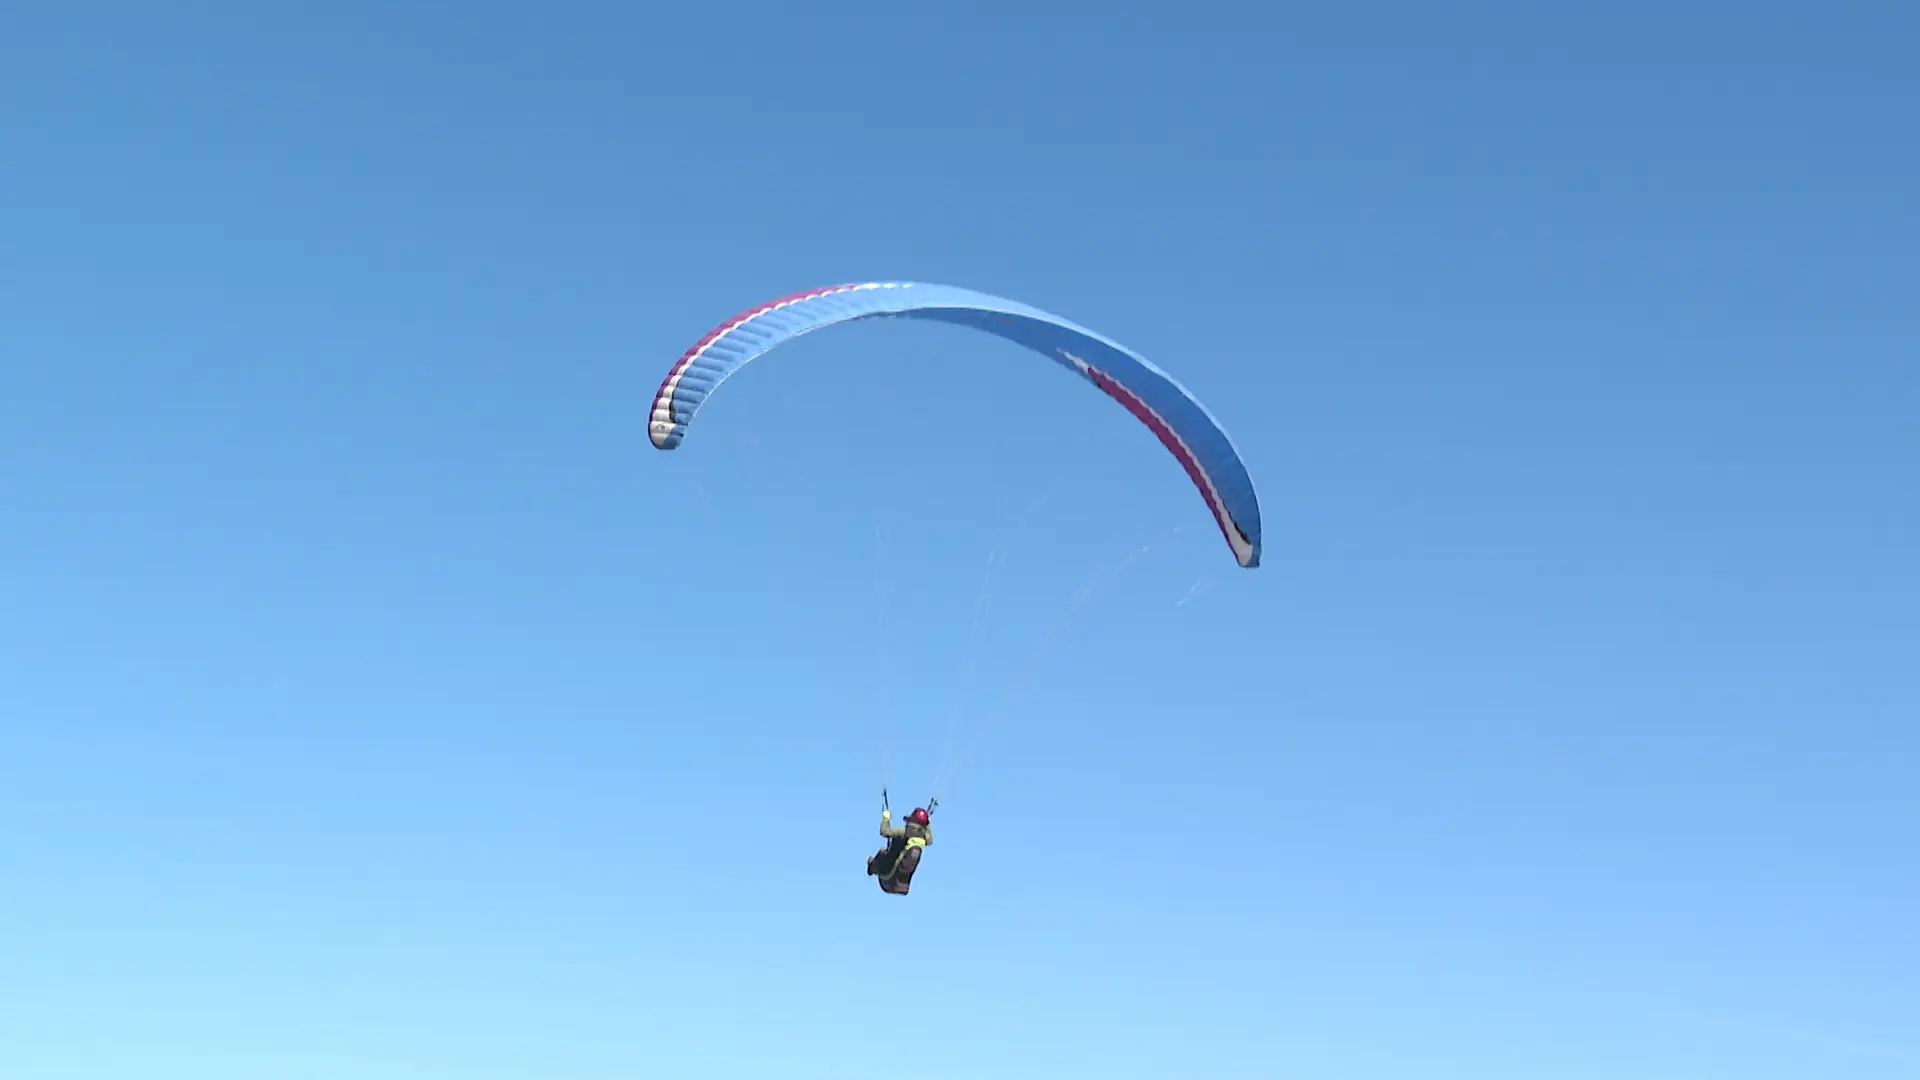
(1174, 415)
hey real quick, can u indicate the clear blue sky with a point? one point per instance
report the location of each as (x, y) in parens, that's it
(377, 704)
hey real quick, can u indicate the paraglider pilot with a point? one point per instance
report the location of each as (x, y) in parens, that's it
(894, 864)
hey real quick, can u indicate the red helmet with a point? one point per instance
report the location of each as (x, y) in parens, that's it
(918, 817)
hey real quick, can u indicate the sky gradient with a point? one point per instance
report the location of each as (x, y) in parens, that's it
(377, 704)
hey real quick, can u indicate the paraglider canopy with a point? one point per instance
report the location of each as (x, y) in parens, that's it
(1166, 408)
